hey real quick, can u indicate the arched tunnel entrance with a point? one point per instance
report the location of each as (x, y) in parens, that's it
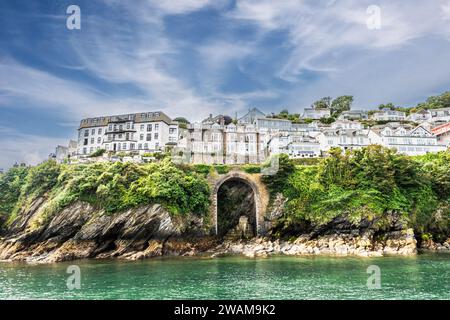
(236, 209)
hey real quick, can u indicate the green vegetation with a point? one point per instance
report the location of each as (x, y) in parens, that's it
(98, 153)
(433, 102)
(109, 186)
(11, 184)
(251, 168)
(222, 169)
(371, 183)
(336, 106)
(284, 114)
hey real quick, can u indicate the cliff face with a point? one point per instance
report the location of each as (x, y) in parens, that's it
(80, 231)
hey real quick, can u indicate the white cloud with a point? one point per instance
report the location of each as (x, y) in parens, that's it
(317, 31)
(30, 149)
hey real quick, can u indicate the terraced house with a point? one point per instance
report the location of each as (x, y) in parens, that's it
(137, 132)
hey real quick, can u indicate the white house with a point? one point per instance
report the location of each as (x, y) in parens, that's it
(417, 141)
(294, 144)
(316, 113)
(346, 124)
(442, 114)
(388, 115)
(354, 115)
(420, 116)
(349, 139)
(136, 132)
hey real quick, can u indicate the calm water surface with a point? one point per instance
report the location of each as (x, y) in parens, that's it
(422, 277)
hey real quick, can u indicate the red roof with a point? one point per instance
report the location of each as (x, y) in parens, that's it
(441, 129)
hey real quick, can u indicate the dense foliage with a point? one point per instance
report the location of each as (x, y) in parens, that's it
(109, 186)
(11, 184)
(369, 183)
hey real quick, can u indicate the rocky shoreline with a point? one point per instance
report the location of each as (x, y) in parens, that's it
(334, 245)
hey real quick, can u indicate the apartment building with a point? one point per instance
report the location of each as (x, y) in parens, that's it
(346, 139)
(136, 132)
(416, 141)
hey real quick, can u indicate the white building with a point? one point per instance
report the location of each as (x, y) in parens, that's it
(346, 125)
(417, 141)
(137, 132)
(388, 115)
(316, 113)
(66, 152)
(354, 115)
(442, 114)
(420, 116)
(294, 144)
(349, 139)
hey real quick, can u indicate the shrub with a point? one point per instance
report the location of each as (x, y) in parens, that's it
(98, 153)
(249, 168)
(222, 169)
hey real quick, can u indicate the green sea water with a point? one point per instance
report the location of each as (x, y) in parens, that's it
(425, 276)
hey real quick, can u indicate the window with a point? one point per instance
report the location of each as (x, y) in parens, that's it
(156, 136)
(99, 140)
(92, 140)
(132, 146)
(142, 127)
(172, 130)
(149, 127)
(93, 131)
(128, 125)
(86, 133)
(149, 137)
(91, 149)
(156, 126)
(84, 150)
(85, 142)
(141, 137)
(124, 146)
(120, 127)
(146, 146)
(100, 131)
(110, 127)
(140, 146)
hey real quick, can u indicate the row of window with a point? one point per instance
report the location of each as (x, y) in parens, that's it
(121, 147)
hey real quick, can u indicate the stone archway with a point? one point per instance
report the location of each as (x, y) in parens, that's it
(260, 196)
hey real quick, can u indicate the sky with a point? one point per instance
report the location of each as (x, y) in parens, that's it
(195, 57)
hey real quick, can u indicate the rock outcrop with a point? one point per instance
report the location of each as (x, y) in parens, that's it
(80, 231)
(402, 243)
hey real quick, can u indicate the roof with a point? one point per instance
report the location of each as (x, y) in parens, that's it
(443, 128)
(135, 117)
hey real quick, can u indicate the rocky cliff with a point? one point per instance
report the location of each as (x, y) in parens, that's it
(81, 231)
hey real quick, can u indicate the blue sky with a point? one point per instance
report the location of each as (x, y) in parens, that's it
(195, 57)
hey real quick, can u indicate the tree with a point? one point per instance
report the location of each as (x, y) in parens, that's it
(181, 120)
(436, 102)
(324, 103)
(341, 104)
(389, 105)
